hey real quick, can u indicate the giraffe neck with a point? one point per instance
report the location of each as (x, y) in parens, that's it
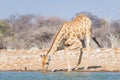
(57, 40)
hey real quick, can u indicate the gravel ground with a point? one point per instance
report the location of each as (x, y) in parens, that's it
(100, 59)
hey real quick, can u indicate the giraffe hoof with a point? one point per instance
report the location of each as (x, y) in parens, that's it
(54, 70)
(69, 70)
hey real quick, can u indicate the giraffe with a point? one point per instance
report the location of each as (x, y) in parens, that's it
(72, 33)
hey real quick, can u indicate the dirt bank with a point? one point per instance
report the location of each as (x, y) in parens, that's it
(99, 60)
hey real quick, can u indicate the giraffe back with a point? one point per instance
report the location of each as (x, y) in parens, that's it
(77, 27)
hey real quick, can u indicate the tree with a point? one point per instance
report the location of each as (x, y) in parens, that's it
(4, 29)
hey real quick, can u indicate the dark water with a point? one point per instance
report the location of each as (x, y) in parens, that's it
(60, 76)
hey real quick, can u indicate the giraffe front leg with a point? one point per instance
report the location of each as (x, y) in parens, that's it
(76, 44)
(68, 58)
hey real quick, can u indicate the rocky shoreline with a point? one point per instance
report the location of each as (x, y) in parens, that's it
(100, 60)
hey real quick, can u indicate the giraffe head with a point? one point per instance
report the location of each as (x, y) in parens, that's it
(43, 57)
(45, 62)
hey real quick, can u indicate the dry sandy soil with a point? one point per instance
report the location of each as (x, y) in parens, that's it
(29, 60)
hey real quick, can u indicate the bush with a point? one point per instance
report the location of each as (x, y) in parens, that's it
(26, 31)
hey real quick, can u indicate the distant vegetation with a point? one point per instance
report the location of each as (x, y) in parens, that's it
(27, 31)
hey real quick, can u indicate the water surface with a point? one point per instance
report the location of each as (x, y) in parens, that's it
(60, 76)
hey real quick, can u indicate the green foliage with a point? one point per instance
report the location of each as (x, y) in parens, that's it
(1, 34)
(4, 28)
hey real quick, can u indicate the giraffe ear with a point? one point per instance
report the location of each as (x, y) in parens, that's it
(41, 56)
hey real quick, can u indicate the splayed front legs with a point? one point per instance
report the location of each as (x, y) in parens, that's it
(75, 45)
